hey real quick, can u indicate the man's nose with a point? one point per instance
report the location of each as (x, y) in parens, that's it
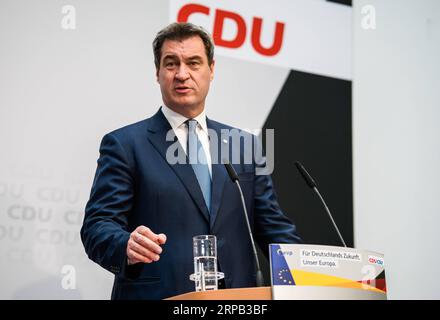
(182, 73)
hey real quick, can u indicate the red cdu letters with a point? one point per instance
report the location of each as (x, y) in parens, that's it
(221, 15)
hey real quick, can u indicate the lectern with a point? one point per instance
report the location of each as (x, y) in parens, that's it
(310, 272)
(263, 293)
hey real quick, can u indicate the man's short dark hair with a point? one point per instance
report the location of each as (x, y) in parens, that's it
(182, 31)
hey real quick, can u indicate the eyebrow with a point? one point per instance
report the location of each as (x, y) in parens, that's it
(169, 56)
(195, 58)
(173, 56)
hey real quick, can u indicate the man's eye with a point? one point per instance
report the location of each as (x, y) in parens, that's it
(194, 63)
(169, 64)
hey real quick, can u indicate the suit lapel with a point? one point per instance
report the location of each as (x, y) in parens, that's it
(219, 174)
(158, 127)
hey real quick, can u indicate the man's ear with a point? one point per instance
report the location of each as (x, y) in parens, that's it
(211, 67)
(157, 75)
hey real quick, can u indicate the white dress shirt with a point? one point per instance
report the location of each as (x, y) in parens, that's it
(177, 122)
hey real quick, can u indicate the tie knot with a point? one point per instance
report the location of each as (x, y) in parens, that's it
(192, 125)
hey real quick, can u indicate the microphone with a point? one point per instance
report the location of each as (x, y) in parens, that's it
(312, 184)
(234, 178)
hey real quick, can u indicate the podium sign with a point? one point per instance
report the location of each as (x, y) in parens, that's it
(326, 272)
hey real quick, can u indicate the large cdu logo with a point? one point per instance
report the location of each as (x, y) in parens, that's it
(222, 16)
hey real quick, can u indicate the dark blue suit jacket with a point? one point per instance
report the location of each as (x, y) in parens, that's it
(135, 185)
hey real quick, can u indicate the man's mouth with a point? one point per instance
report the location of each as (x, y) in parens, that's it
(182, 89)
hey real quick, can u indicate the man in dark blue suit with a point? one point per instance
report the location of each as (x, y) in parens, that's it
(144, 208)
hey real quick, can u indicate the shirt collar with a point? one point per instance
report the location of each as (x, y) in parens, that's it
(176, 119)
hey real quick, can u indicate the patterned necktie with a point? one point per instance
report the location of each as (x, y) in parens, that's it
(197, 158)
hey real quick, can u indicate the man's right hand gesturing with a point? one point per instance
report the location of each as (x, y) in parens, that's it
(144, 245)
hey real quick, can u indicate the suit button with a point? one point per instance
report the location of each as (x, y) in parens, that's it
(115, 269)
